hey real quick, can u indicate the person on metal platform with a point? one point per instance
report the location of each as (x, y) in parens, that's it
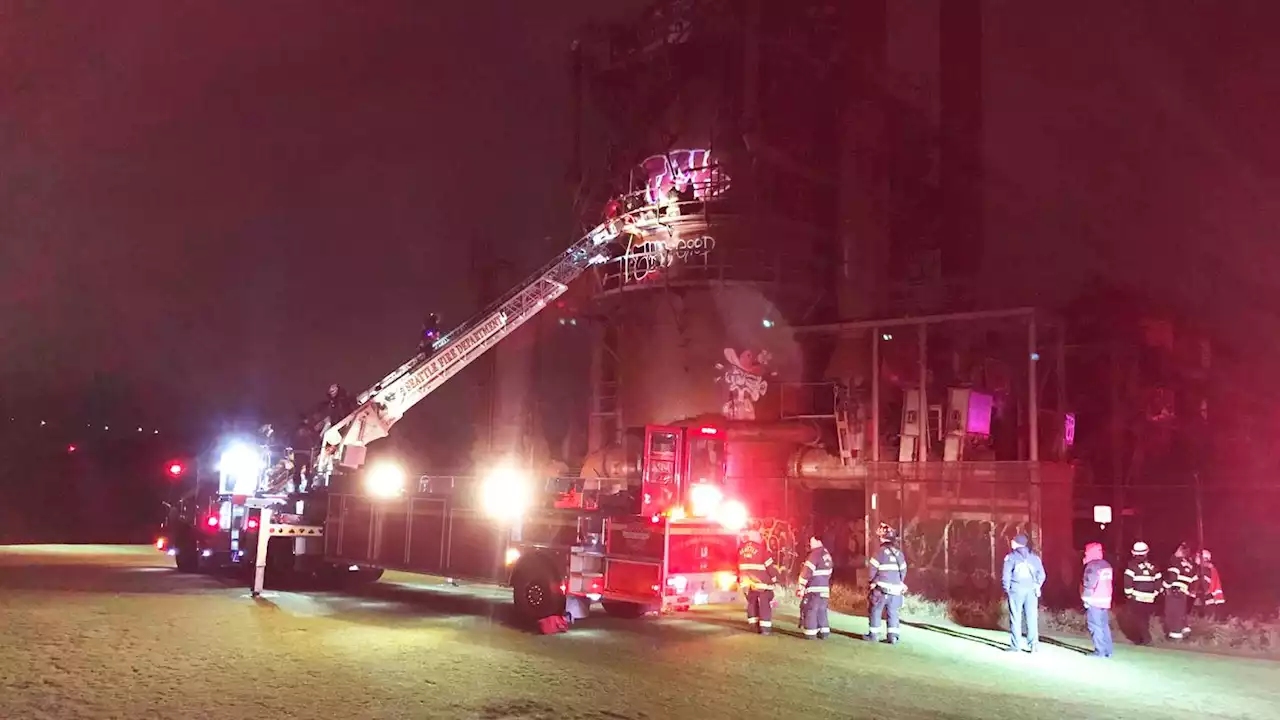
(430, 334)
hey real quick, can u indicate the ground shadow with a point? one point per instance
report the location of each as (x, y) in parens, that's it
(957, 633)
(1065, 645)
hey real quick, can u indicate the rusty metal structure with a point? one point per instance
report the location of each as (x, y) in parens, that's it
(825, 194)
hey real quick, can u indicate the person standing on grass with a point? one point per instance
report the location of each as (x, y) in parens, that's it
(1179, 584)
(1095, 593)
(1141, 586)
(888, 585)
(1210, 585)
(1023, 579)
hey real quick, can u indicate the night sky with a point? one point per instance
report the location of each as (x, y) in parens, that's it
(229, 206)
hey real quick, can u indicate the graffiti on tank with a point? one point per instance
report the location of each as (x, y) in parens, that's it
(643, 260)
(744, 378)
(677, 168)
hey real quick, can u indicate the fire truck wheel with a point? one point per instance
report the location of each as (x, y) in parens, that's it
(187, 558)
(536, 591)
(363, 576)
(626, 610)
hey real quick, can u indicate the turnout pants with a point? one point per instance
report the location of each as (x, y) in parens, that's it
(882, 603)
(1175, 615)
(760, 610)
(1024, 604)
(1099, 620)
(1142, 612)
(813, 616)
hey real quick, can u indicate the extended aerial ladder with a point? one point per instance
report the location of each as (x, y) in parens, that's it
(650, 227)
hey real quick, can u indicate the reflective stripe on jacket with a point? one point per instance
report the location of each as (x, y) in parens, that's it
(1211, 585)
(756, 569)
(815, 575)
(889, 570)
(1141, 581)
(1180, 576)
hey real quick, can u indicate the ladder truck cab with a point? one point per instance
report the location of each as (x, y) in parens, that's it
(663, 540)
(205, 528)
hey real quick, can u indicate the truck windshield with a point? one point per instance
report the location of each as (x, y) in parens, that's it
(706, 460)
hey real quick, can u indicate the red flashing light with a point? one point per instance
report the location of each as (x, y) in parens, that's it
(708, 430)
(176, 469)
(597, 586)
(212, 521)
(160, 543)
(71, 449)
(252, 523)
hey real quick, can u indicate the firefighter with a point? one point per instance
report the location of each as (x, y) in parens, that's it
(1179, 582)
(757, 574)
(1210, 586)
(430, 334)
(1095, 593)
(888, 584)
(815, 591)
(1141, 585)
(335, 407)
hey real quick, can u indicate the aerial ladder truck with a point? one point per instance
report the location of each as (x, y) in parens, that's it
(663, 538)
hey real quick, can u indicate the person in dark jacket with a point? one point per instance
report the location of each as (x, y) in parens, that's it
(888, 585)
(1095, 593)
(815, 591)
(430, 334)
(337, 406)
(757, 574)
(1179, 581)
(1023, 578)
(1141, 585)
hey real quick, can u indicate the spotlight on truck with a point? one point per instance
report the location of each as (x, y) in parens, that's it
(732, 514)
(241, 464)
(505, 492)
(385, 480)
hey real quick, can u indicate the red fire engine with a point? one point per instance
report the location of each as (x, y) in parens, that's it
(667, 542)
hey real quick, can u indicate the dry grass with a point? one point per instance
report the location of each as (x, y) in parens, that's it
(1253, 636)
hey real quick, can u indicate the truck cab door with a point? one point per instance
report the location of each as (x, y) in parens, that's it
(663, 460)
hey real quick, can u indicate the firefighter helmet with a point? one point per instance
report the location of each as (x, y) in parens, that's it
(1140, 548)
(886, 533)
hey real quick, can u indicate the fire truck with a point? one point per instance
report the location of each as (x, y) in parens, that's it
(667, 542)
(664, 537)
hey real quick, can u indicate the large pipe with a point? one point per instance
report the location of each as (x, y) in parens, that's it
(815, 463)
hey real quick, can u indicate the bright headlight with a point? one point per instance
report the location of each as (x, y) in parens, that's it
(704, 499)
(505, 492)
(385, 480)
(242, 464)
(732, 515)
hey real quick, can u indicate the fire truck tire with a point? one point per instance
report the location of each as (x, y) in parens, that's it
(187, 558)
(625, 610)
(363, 576)
(536, 592)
